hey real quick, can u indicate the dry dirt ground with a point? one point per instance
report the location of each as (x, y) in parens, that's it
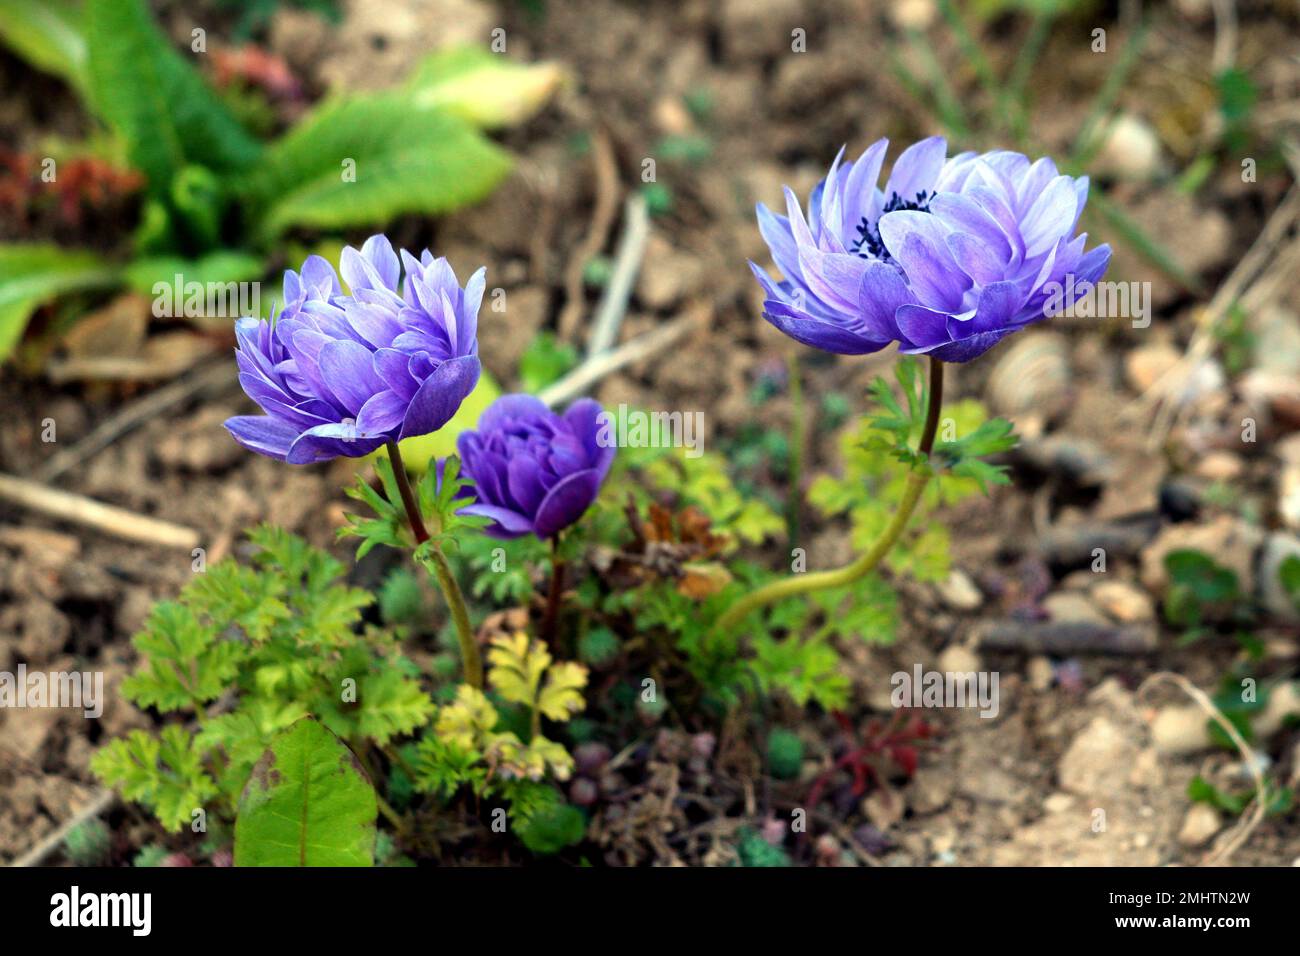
(1081, 765)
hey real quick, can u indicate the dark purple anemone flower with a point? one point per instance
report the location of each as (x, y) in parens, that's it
(534, 471)
(343, 374)
(953, 255)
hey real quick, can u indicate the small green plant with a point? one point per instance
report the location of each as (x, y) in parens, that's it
(784, 753)
(217, 199)
(88, 843)
(1202, 791)
(473, 748)
(280, 638)
(753, 850)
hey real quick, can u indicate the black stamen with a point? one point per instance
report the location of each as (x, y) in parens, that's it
(869, 245)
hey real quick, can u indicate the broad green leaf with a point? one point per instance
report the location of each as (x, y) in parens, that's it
(47, 34)
(31, 275)
(361, 160)
(308, 803)
(483, 88)
(155, 100)
(144, 275)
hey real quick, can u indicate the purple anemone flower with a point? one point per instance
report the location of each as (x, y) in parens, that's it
(343, 374)
(953, 255)
(534, 471)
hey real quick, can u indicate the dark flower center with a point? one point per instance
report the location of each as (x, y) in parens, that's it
(869, 245)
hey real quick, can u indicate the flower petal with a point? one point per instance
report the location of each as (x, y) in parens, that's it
(566, 502)
(262, 434)
(440, 396)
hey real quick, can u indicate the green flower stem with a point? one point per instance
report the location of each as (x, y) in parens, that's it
(469, 654)
(408, 495)
(865, 563)
(437, 565)
(552, 615)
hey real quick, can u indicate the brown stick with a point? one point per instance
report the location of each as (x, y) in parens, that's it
(1067, 638)
(602, 220)
(100, 801)
(211, 378)
(643, 346)
(77, 509)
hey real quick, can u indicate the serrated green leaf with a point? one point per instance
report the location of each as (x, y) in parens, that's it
(155, 100)
(406, 159)
(307, 803)
(165, 773)
(186, 663)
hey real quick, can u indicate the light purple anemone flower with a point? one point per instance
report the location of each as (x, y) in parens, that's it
(343, 374)
(952, 256)
(534, 471)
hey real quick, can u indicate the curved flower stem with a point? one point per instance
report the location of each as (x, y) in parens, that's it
(867, 561)
(408, 496)
(469, 654)
(556, 591)
(437, 565)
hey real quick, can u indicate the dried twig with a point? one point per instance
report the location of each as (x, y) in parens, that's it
(1259, 803)
(214, 377)
(602, 220)
(1067, 638)
(99, 802)
(627, 263)
(78, 509)
(642, 347)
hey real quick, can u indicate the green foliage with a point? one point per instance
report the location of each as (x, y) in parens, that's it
(753, 850)
(599, 646)
(805, 668)
(255, 15)
(407, 159)
(704, 482)
(88, 843)
(216, 196)
(1288, 574)
(149, 856)
(32, 275)
(401, 598)
(436, 497)
(46, 33)
(1280, 801)
(307, 803)
(1200, 590)
(163, 772)
(156, 101)
(498, 570)
(552, 828)
(470, 747)
(872, 484)
(284, 637)
(546, 360)
(784, 753)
